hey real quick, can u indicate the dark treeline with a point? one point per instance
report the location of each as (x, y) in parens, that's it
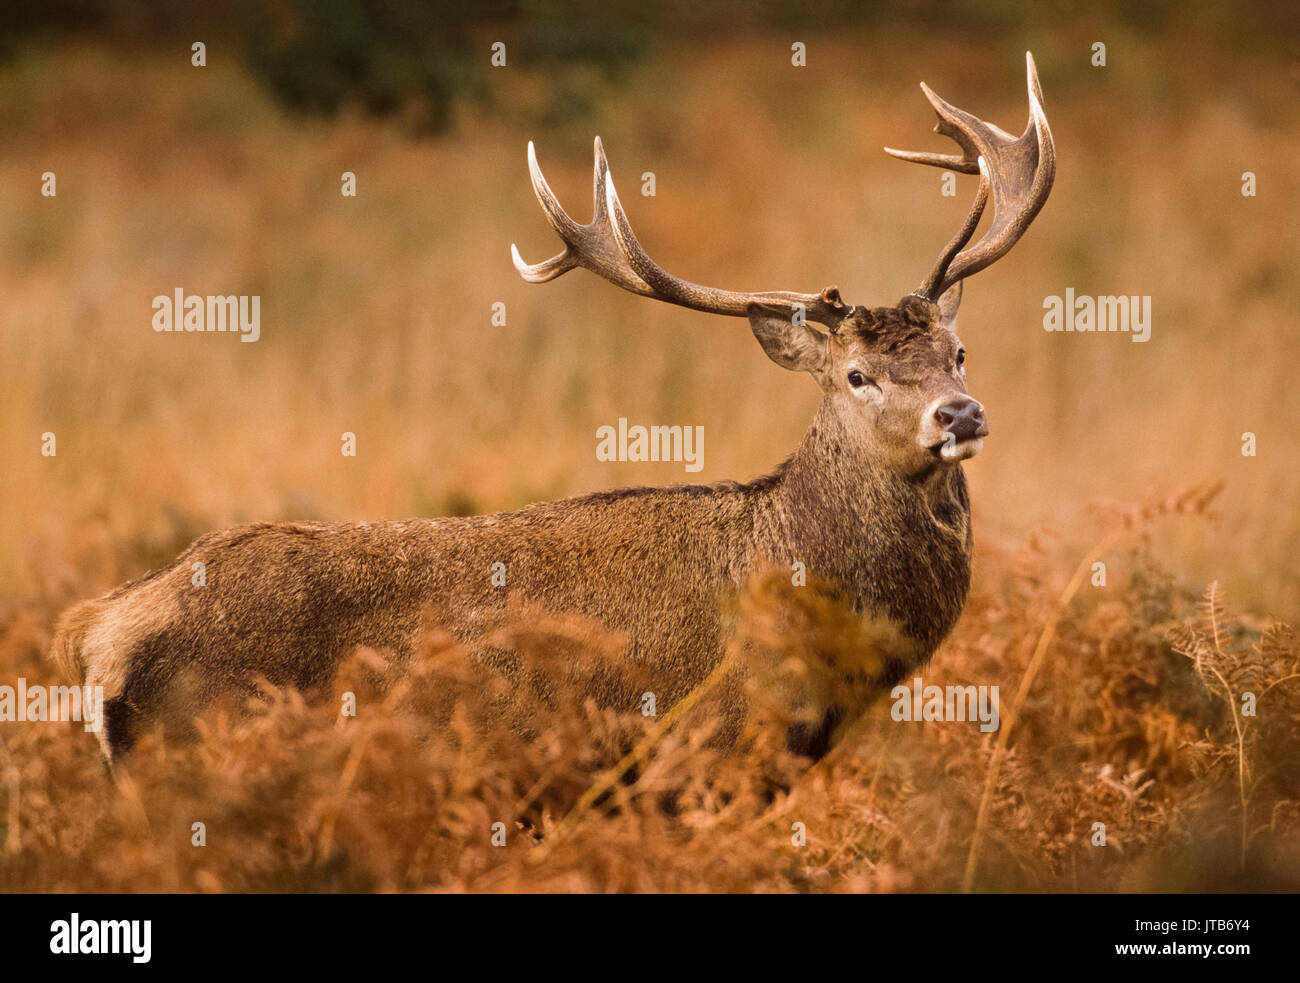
(419, 58)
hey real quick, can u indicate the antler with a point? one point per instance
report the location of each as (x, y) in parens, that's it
(608, 247)
(1018, 171)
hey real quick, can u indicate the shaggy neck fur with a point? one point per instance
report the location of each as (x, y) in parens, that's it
(899, 546)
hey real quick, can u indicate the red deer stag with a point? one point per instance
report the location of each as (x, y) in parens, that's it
(873, 501)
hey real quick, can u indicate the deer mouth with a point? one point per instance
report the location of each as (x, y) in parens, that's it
(955, 451)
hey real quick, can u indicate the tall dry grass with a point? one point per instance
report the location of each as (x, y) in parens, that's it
(1109, 724)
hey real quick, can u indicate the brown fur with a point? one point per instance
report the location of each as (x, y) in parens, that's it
(858, 503)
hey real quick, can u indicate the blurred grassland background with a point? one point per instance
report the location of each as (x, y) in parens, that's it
(376, 310)
(376, 319)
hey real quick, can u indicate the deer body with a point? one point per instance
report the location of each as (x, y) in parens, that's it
(290, 600)
(873, 503)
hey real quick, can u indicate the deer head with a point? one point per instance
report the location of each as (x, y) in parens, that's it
(893, 377)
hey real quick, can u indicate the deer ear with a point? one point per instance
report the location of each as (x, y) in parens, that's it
(799, 347)
(948, 305)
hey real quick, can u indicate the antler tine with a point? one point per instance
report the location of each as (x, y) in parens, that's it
(1019, 170)
(949, 162)
(599, 171)
(608, 247)
(584, 245)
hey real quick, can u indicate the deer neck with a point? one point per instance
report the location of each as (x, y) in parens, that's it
(899, 546)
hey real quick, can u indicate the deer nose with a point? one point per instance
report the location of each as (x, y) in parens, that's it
(963, 418)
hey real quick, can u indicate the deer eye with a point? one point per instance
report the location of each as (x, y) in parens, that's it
(961, 357)
(856, 379)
